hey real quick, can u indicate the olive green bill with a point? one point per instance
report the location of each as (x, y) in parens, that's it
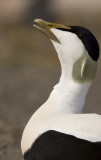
(45, 27)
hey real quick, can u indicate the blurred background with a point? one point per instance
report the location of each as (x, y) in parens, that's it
(29, 67)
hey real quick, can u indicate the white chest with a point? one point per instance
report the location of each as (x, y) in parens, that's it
(84, 126)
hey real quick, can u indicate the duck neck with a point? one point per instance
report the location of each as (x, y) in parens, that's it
(68, 96)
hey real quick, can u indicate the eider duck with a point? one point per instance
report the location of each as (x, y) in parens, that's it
(59, 130)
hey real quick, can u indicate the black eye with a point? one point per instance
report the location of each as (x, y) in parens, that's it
(80, 35)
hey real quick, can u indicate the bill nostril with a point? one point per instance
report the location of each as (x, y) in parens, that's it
(50, 25)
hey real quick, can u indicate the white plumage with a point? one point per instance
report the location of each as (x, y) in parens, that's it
(62, 111)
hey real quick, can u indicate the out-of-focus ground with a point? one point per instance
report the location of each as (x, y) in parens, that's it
(29, 67)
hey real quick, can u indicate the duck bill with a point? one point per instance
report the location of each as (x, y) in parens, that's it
(45, 27)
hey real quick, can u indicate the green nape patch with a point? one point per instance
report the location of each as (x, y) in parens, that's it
(84, 69)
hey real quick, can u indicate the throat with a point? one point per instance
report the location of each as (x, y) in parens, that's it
(68, 97)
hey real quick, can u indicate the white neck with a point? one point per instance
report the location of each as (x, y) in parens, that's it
(67, 96)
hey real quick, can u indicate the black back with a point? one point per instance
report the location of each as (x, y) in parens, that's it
(87, 38)
(53, 145)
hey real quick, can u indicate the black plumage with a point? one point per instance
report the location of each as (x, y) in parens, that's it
(53, 145)
(87, 38)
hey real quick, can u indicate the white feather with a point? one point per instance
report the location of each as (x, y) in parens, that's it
(61, 112)
(83, 66)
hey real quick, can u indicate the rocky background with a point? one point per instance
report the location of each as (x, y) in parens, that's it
(29, 67)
